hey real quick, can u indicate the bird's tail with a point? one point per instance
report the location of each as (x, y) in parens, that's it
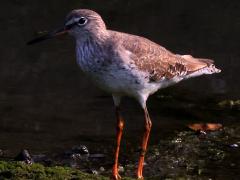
(205, 66)
(209, 67)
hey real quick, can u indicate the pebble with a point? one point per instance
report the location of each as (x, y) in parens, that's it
(82, 149)
(94, 172)
(102, 169)
(234, 145)
(120, 169)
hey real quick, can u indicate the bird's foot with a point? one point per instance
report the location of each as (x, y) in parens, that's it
(140, 177)
(116, 177)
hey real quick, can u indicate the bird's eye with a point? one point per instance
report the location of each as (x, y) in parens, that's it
(82, 21)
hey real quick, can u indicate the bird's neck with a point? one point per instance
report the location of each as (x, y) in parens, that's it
(91, 44)
(90, 50)
(96, 36)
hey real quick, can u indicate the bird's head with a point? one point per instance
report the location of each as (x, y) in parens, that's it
(81, 24)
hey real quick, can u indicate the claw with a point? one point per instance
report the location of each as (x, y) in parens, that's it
(116, 177)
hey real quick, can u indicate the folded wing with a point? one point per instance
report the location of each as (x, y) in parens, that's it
(161, 63)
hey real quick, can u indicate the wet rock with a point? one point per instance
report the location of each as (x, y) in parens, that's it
(82, 149)
(77, 153)
(79, 157)
(24, 156)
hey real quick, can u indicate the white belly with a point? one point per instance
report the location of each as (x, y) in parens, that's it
(120, 80)
(117, 75)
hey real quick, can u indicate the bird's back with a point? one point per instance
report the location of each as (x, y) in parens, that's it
(159, 62)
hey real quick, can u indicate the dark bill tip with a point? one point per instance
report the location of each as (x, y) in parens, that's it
(39, 39)
(49, 35)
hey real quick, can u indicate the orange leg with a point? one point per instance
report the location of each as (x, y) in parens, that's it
(120, 125)
(148, 125)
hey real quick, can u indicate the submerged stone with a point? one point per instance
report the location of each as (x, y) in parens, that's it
(24, 156)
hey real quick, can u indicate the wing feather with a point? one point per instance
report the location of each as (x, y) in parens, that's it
(158, 61)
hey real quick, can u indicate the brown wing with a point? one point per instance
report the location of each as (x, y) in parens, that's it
(158, 61)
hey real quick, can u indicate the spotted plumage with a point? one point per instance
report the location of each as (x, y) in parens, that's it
(116, 60)
(155, 59)
(126, 65)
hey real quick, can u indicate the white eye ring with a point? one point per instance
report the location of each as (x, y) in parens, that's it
(82, 21)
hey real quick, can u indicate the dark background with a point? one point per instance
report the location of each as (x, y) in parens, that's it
(46, 101)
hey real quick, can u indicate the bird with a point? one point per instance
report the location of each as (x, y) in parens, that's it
(124, 64)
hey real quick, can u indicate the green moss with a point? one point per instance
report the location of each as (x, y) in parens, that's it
(19, 171)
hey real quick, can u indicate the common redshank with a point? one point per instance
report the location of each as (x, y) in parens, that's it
(126, 65)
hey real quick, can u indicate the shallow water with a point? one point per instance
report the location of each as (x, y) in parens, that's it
(54, 136)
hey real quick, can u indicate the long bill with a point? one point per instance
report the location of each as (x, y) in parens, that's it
(49, 35)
